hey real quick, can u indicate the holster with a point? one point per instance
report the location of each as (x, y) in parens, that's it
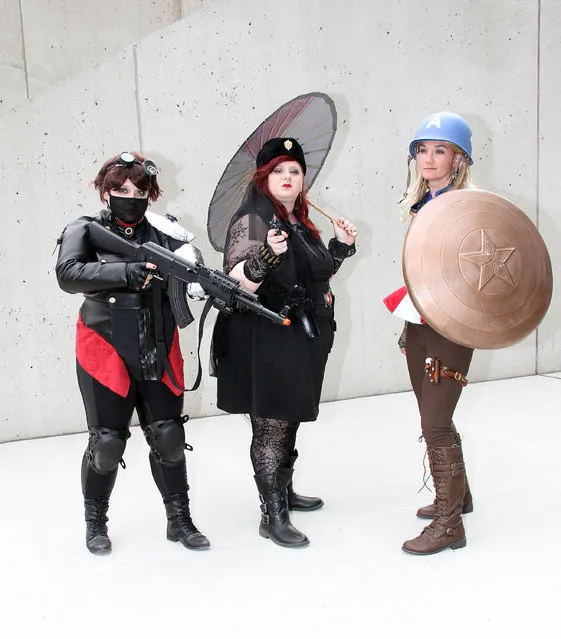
(435, 371)
(308, 322)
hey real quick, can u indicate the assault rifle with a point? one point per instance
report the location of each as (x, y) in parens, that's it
(226, 292)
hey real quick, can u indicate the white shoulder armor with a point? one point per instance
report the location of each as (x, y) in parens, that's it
(169, 225)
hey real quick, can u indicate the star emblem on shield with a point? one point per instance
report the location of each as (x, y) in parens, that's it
(492, 261)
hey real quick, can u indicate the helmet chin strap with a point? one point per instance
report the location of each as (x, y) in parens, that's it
(409, 158)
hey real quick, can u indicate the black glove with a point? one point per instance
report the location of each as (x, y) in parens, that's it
(137, 272)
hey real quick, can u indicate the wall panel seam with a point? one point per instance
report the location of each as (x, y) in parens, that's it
(23, 51)
(538, 148)
(137, 98)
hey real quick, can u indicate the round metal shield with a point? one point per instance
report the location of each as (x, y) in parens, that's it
(477, 269)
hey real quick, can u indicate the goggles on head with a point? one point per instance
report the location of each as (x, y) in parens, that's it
(127, 159)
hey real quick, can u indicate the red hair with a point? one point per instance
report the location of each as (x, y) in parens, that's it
(111, 177)
(301, 208)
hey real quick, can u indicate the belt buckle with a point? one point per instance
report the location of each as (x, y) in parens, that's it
(457, 376)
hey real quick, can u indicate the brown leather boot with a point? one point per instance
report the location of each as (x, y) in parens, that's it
(446, 529)
(427, 512)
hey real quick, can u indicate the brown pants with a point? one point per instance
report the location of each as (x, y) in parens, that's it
(437, 402)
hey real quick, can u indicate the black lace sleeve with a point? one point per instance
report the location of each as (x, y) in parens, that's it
(245, 238)
(340, 251)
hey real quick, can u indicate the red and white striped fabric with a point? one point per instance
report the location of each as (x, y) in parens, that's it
(399, 304)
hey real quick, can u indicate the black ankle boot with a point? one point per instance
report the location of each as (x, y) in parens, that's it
(275, 518)
(300, 502)
(97, 540)
(180, 525)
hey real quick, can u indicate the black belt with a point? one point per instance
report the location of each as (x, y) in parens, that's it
(124, 300)
(320, 299)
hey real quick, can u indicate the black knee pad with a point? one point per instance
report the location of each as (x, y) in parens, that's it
(166, 438)
(106, 448)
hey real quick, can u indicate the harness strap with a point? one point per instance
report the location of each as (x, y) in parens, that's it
(161, 349)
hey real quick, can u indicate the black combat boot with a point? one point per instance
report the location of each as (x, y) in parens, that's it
(275, 518)
(180, 525)
(171, 480)
(97, 540)
(97, 488)
(300, 502)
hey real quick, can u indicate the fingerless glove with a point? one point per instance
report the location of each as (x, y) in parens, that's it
(257, 266)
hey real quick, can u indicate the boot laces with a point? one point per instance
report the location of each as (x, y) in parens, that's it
(426, 476)
(184, 516)
(97, 517)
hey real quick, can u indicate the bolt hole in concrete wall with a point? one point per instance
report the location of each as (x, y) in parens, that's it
(190, 93)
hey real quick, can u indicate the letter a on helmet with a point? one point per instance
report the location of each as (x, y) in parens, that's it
(435, 121)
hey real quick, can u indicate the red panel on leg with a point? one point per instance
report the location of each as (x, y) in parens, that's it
(100, 360)
(176, 362)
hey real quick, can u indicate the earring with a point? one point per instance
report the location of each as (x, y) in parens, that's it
(457, 164)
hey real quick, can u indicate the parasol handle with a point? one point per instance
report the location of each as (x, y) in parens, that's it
(333, 219)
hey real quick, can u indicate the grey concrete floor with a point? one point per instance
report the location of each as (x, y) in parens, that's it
(363, 458)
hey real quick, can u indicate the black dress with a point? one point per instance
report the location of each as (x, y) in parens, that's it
(264, 369)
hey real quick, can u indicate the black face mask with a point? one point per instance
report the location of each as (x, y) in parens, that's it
(129, 210)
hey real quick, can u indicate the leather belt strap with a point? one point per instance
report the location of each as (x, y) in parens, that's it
(123, 300)
(435, 371)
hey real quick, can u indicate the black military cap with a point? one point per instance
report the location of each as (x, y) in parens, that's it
(275, 147)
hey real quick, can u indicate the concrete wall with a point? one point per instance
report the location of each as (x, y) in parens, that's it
(13, 78)
(46, 41)
(549, 333)
(203, 84)
(50, 148)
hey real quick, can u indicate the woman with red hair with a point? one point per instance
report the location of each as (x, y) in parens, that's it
(275, 373)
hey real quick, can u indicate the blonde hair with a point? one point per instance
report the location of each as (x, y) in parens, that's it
(419, 185)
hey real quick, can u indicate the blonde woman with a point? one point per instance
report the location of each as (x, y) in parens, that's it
(441, 150)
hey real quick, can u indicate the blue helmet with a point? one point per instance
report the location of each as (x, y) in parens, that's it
(448, 127)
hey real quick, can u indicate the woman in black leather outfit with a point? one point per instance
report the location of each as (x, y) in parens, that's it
(119, 365)
(271, 372)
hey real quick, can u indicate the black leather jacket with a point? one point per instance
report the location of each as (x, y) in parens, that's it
(122, 316)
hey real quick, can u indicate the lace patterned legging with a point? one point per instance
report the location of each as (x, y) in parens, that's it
(272, 443)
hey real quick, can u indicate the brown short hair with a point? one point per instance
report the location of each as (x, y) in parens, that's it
(112, 177)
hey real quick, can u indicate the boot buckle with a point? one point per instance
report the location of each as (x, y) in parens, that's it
(265, 519)
(450, 531)
(457, 469)
(263, 507)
